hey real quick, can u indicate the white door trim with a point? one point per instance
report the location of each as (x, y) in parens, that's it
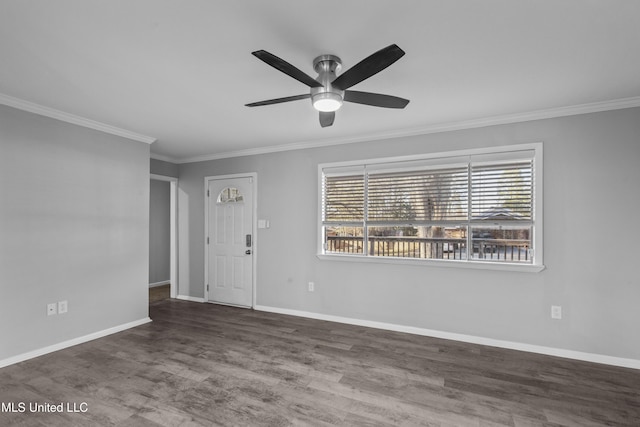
(173, 231)
(254, 183)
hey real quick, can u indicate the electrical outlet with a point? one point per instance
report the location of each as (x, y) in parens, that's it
(62, 307)
(556, 312)
(52, 309)
(311, 286)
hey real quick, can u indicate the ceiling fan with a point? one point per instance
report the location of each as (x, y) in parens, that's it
(328, 90)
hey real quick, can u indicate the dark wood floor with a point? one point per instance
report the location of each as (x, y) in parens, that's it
(158, 293)
(203, 364)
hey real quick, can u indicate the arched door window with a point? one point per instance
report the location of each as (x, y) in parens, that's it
(230, 195)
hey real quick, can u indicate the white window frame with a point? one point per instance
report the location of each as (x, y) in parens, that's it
(537, 255)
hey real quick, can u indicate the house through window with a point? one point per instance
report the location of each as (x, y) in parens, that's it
(475, 206)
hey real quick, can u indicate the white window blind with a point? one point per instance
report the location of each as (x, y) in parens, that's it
(502, 191)
(418, 196)
(343, 200)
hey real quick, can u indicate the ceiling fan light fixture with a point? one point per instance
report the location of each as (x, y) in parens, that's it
(328, 91)
(327, 101)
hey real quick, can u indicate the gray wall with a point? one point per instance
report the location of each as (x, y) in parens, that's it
(74, 224)
(591, 202)
(160, 167)
(159, 231)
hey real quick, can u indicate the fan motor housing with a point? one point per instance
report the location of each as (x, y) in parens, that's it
(326, 66)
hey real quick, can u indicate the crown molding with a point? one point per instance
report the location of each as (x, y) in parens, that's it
(594, 107)
(551, 113)
(163, 158)
(52, 113)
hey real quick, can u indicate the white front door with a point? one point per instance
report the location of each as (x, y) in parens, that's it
(230, 241)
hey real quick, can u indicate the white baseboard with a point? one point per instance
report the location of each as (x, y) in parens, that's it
(549, 351)
(70, 343)
(156, 284)
(188, 298)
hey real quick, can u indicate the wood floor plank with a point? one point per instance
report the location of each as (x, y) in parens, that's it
(209, 365)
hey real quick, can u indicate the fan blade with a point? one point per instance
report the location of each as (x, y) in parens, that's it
(285, 67)
(368, 67)
(278, 100)
(326, 118)
(375, 99)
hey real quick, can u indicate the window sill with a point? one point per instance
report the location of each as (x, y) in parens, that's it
(477, 265)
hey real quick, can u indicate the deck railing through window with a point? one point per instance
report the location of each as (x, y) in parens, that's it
(512, 250)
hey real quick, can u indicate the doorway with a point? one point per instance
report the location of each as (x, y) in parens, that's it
(230, 202)
(173, 232)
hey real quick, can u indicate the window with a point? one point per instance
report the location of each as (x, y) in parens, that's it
(230, 195)
(477, 207)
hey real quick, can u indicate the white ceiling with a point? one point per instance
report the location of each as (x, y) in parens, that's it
(182, 70)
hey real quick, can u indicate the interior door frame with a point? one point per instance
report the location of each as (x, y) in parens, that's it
(254, 213)
(173, 231)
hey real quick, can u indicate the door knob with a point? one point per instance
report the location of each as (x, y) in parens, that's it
(248, 252)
